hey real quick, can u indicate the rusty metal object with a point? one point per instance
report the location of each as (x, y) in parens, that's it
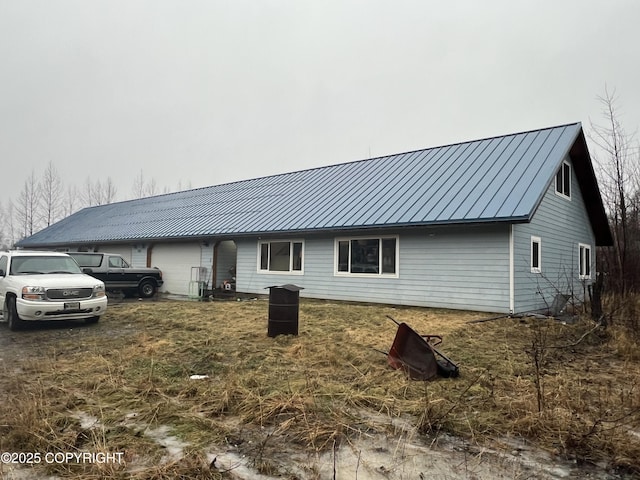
(416, 355)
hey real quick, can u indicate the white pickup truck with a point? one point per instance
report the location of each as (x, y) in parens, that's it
(36, 285)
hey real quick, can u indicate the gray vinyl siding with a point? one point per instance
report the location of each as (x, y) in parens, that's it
(561, 224)
(446, 267)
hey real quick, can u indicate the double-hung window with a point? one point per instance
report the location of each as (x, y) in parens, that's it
(585, 261)
(367, 256)
(563, 180)
(283, 256)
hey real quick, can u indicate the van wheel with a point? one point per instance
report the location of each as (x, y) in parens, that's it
(12, 315)
(147, 289)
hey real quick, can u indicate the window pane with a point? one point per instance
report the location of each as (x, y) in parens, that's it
(279, 257)
(297, 256)
(559, 182)
(264, 256)
(365, 256)
(535, 254)
(587, 262)
(567, 180)
(343, 256)
(388, 255)
(116, 262)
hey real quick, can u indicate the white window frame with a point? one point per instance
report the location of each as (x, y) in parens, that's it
(584, 267)
(536, 241)
(290, 271)
(561, 171)
(338, 273)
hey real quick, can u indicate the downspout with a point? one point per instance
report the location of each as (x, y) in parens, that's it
(511, 272)
(149, 250)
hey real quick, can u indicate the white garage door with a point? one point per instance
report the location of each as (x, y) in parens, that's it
(175, 260)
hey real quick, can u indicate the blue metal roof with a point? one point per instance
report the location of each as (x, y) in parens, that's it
(490, 180)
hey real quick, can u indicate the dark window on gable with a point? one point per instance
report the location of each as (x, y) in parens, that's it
(563, 180)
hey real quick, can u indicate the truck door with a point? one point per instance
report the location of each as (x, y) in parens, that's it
(116, 271)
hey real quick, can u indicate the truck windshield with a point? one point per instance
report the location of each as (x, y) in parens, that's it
(24, 265)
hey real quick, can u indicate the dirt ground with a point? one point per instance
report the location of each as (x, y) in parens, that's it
(396, 452)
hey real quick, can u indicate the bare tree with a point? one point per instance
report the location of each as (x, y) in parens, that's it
(71, 201)
(51, 195)
(137, 189)
(142, 188)
(618, 171)
(151, 188)
(3, 233)
(109, 191)
(10, 213)
(88, 194)
(27, 207)
(187, 187)
(98, 192)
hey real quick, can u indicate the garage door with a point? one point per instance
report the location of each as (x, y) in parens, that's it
(175, 260)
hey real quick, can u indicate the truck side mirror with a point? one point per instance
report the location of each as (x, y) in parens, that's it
(2, 273)
(87, 270)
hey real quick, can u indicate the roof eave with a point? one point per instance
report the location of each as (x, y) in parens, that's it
(586, 176)
(583, 168)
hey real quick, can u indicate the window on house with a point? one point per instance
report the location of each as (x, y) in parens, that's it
(367, 256)
(563, 180)
(536, 252)
(280, 256)
(585, 261)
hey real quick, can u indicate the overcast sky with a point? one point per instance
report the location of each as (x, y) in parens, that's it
(196, 93)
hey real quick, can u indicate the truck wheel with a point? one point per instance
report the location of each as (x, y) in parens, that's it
(12, 315)
(147, 289)
(91, 320)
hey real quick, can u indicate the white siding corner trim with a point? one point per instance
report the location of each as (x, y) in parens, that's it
(512, 289)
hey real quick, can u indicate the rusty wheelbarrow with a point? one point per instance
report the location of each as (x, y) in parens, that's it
(416, 354)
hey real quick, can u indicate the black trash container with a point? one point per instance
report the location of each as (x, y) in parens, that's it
(284, 305)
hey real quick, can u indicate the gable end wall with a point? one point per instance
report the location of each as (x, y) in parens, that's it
(561, 225)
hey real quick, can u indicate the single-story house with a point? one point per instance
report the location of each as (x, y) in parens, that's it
(502, 224)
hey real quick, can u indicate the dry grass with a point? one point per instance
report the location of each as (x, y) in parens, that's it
(526, 378)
